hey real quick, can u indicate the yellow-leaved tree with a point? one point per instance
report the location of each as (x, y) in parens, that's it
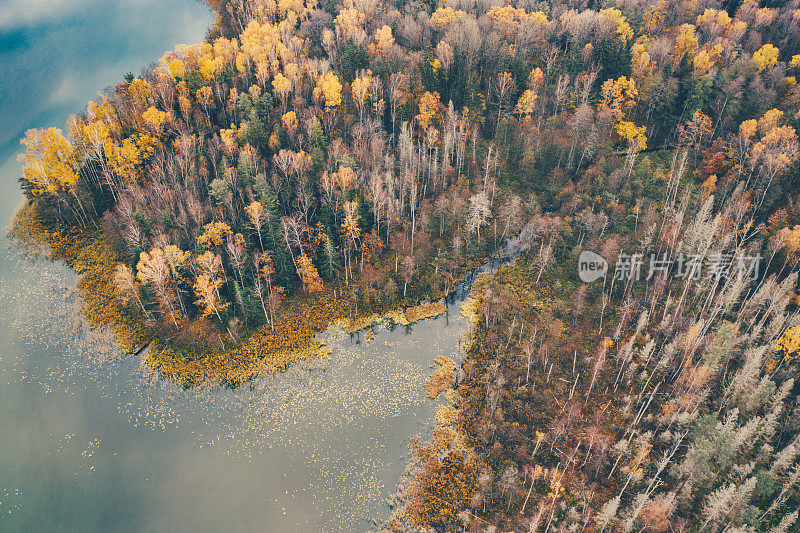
(214, 234)
(128, 159)
(526, 104)
(444, 16)
(361, 89)
(139, 91)
(49, 165)
(207, 284)
(615, 16)
(256, 214)
(206, 289)
(205, 97)
(156, 120)
(308, 274)
(281, 86)
(618, 96)
(685, 42)
(331, 90)
(384, 40)
(49, 162)
(429, 104)
(635, 138)
(125, 282)
(177, 69)
(766, 57)
(789, 342)
(289, 121)
(632, 134)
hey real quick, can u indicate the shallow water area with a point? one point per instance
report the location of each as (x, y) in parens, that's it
(320, 446)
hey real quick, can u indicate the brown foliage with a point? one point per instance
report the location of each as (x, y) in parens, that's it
(91, 256)
(425, 310)
(442, 377)
(266, 351)
(442, 488)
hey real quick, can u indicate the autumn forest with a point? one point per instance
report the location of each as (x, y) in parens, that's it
(325, 162)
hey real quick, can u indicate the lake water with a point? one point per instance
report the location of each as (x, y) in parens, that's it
(91, 441)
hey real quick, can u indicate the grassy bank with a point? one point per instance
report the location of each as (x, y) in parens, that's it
(85, 252)
(199, 353)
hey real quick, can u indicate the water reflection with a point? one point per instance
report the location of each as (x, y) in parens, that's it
(321, 446)
(57, 54)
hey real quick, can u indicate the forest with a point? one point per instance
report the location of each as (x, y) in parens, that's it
(320, 162)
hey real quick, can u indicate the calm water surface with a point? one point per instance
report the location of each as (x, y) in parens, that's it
(89, 440)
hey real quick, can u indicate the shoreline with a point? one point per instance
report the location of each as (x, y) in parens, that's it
(261, 351)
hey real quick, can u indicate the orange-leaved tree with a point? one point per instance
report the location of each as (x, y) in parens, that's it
(308, 274)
